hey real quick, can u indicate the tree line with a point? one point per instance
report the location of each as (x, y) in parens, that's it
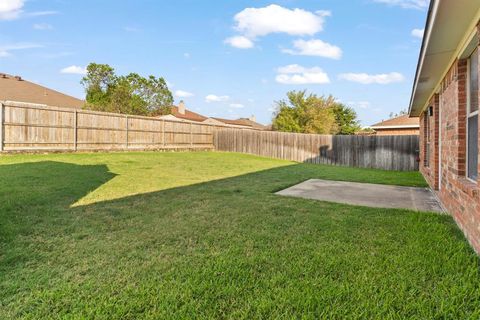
(150, 96)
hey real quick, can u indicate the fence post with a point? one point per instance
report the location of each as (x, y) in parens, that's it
(191, 136)
(214, 139)
(126, 138)
(75, 128)
(2, 110)
(163, 133)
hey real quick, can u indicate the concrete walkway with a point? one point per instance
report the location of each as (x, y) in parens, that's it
(364, 194)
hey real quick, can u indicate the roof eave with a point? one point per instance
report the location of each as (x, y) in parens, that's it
(449, 33)
(421, 58)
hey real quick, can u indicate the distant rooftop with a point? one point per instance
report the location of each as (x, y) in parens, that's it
(243, 122)
(187, 115)
(14, 88)
(398, 122)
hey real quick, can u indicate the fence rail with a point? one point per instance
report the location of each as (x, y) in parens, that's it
(29, 127)
(379, 152)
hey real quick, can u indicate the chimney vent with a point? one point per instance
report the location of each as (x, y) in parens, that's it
(18, 78)
(181, 107)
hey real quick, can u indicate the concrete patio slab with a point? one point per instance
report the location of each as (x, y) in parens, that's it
(365, 194)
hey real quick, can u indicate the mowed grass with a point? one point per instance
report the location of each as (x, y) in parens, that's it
(201, 235)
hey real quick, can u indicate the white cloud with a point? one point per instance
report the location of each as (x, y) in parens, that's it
(291, 68)
(418, 33)
(186, 55)
(42, 26)
(11, 9)
(365, 78)
(183, 94)
(42, 13)
(359, 104)
(252, 23)
(5, 50)
(237, 105)
(407, 4)
(257, 22)
(215, 98)
(296, 74)
(74, 70)
(315, 47)
(240, 42)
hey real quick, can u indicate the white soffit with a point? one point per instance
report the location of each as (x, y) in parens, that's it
(449, 23)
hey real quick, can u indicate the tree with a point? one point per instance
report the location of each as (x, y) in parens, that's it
(314, 114)
(98, 83)
(346, 119)
(130, 94)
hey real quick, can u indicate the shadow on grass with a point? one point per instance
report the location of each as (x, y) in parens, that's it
(32, 193)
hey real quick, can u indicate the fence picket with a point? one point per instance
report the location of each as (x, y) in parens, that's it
(380, 152)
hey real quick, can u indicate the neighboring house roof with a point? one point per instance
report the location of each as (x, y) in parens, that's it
(253, 124)
(16, 89)
(233, 122)
(188, 115)
(243, 122)
(181, 113)
(446, 34)
(213, 122)
(401, 122)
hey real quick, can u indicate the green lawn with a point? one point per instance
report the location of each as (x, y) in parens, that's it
(201, 235)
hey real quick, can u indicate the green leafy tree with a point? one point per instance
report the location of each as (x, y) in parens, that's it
(130, 94)
(287, 118)
(305, 113)
(98, 84)
(346, 118)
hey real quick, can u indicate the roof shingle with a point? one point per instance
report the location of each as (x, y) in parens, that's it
(17, 89)
(401, 121)
(189, 115)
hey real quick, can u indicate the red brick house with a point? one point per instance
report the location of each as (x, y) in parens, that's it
(446, 98)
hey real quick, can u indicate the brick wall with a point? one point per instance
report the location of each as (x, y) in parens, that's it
(447, 165)
(429, 131)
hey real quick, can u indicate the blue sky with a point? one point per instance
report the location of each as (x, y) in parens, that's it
(225, 58)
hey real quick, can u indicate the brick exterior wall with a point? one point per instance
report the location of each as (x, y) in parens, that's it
(429, 130)
(446, 169)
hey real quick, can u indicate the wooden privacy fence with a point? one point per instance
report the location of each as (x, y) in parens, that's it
(379, 152)
(28, 127)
